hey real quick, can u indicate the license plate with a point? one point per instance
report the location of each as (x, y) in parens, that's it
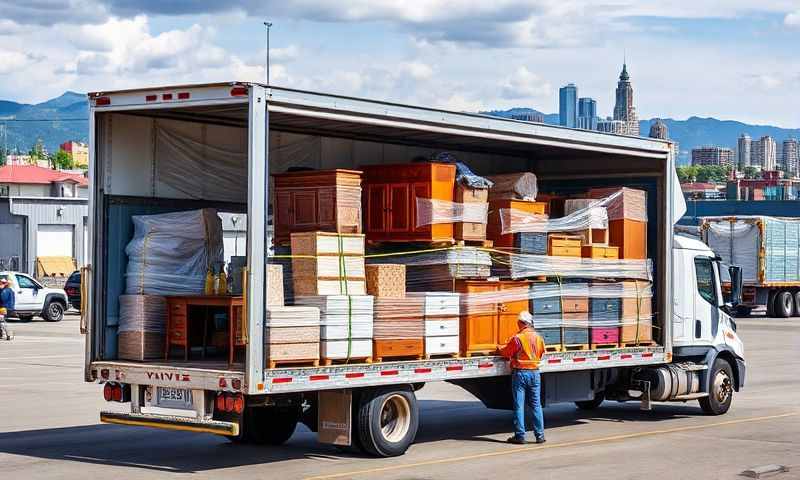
(171, 397)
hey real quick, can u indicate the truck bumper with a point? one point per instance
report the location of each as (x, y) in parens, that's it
(168, 422)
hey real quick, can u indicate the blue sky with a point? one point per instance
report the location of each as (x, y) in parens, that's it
(730, 59)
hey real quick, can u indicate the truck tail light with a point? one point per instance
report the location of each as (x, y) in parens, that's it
(100, 101)
(238, 91)
(108, 392)
(219, 404)
(229, 402)
(116, 392)
(238, 404)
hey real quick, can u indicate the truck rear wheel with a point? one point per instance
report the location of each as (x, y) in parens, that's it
(591, 404)
(784, 304)
(388, 419)
(771, 303)
(797, 302)
(720, 393)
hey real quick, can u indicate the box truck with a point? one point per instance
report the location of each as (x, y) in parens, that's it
(768, 251)
(177, 148)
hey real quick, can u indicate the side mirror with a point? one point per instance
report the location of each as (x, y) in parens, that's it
(735, 273)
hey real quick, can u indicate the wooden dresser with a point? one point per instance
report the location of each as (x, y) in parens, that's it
(486, 320)
(317, 200)
(390, 201)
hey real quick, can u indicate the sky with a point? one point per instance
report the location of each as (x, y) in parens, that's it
(729, 59)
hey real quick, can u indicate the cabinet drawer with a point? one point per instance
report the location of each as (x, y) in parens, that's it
(440, 345)
(441, 328)
(575, 336)
(594, 251)
(604, 335)
(177, 321)
(551, 336)
(575, 304)
(604, 308)
(546, 305)
(177, 309)
(573, 251)
(439, 303)
(399, 348)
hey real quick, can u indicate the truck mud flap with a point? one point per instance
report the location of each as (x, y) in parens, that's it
(168, 422)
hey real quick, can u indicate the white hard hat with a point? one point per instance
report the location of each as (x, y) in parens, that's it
(525, 317)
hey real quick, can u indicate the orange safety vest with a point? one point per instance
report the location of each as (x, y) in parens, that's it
(527, 358)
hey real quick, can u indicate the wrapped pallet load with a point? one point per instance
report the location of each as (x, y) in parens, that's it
(142, 325)
(171, 253)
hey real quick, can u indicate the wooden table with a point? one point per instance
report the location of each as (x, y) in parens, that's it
(178, 321)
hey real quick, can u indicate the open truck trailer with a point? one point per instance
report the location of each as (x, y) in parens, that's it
(173, 149)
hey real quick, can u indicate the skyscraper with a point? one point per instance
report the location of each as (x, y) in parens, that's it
(790, 157)
(763, 153)
(659, 130)
(587, 113)
(623, 108)
(743, 148)
(536, 117)
(568, 105)
(712, 155)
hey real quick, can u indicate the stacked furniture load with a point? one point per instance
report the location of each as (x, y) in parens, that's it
(605, 310)
(441, 311)
(291, 335)
(637, 313)
(328, 264)
(399, 328)
(142, 325)
(489, 311)
(575, 305)
(627, 219)
(317, 200)
(346, 326)
(547, 313)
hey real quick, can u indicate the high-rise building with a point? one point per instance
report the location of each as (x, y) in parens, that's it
(623, 108)
(587, 113)
(743, 151)
(712, 155)
(790, 157)
(659, 130)
(568, 106)
(529, 117)
(763, 153)
(612, 126)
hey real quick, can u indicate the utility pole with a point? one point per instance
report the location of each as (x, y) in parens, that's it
(268, 25)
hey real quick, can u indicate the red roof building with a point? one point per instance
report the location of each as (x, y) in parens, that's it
(35, 181)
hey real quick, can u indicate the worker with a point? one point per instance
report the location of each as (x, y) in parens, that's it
(525, 349)
(6, 308)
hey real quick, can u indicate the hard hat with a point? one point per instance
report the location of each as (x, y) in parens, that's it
(525, 317)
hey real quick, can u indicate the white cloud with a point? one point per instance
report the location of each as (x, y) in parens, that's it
(418, 70)
(524, 84)
(14, 61)
(792, 19)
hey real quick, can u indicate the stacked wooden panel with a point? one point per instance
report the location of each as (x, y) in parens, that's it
(438, 270)
(328, 264)
(470, 197)
(637, 313)
(318, 200)
(346, 326)
(142, 324)
(441, 311)
(291, 335)
(399, 327)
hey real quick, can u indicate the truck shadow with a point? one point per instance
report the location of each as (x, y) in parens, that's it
(180, 452)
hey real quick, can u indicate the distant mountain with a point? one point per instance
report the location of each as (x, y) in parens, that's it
(690, 133)
(54, 121)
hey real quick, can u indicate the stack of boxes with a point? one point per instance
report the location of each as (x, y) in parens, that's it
(399, 327)
(291, 335)
(346, 326)
(575, 305)
(547, 313)
(328, 264)
(441, 315)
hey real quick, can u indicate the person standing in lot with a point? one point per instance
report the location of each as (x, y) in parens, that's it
(7, 300)
(525, 350)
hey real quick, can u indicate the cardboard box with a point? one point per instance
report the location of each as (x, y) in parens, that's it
(386, 280)
(470, 230)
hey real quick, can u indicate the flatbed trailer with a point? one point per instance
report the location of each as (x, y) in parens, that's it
(243, 130)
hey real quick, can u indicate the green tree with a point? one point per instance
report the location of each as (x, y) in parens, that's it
(62, 160)
(687, 173)
(751, 173)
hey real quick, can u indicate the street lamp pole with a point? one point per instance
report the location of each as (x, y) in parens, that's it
(268, 25)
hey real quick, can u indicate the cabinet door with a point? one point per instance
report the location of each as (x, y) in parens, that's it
(304, 208)
(399, 208)
(283, 213)
(421, 190)
(478, 318)
(515, 296)
(326, 204)
(376, 208)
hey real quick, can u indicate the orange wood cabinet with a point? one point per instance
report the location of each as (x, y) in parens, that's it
(489, 313)
(495, 227)
(599, 251)
(406, 347)
(318, 200)
(390, 201)
(630, 236)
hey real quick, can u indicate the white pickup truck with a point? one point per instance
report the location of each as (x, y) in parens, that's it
(34, 299)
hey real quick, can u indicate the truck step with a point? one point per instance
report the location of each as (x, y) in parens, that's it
(294, 363)
(690, 396)
(604, 346)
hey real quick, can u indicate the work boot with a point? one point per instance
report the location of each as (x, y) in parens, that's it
(540, 440)
(516, 440)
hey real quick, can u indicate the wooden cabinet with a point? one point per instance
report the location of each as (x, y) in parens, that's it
(522, 210)
(390, 202)
(318, 200)
(485, 321)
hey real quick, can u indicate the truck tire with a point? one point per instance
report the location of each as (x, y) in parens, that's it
(784, 304)
(797, 302)
(53, 311)
(388, 419)
(591, 404)
(720, 395)
(771, 303)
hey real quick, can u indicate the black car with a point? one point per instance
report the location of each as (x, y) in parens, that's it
(73, 289)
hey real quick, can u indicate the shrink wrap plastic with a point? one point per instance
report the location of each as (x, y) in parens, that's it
(522, 186)
(430, 211)
(142, 313)
(623, 203)
(525, 265)
(171, 253)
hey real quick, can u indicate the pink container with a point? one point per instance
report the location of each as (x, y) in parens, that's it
(604, 335)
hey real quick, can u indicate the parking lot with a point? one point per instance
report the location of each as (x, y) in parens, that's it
(49, 428)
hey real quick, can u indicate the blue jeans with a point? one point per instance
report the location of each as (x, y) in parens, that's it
(526, 386)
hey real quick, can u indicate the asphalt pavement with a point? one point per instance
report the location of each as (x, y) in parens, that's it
(49, 429)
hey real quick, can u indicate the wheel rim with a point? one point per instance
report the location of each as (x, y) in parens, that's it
(55, 310)
(395, 418)
(787, 303)
(723, 387)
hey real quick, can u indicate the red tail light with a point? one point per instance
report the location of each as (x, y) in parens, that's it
(107, 392)
(228, 403)
(238, 91)
(238, 404)
(219, 404)
(100, 101)
(116, 393)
